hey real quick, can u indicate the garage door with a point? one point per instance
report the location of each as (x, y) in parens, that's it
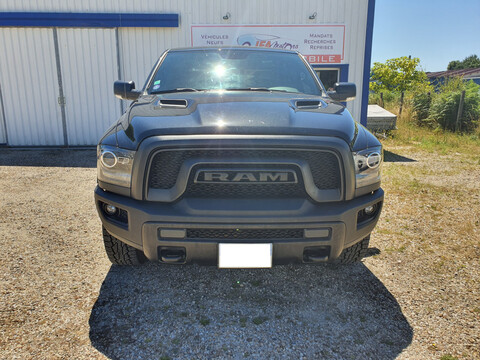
(89, 67)
(29, 82)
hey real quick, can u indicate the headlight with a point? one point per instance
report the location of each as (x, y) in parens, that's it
(367, 166)
(114, 165)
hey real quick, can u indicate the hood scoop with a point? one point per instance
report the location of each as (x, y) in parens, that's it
(172, 104)
(308, 104)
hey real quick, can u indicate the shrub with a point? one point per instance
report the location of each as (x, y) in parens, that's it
(390, 99)
(444, 107)
(421, 103)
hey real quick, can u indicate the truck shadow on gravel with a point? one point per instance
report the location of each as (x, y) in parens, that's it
(84, 158)
(389, 156)
(191, 312)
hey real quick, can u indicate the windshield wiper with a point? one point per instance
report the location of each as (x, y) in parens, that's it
(175, 90)
(257, 89)
(249, 89)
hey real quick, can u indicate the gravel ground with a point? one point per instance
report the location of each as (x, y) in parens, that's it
(62, 299)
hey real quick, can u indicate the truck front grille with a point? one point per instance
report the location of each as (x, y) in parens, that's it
(166, 164)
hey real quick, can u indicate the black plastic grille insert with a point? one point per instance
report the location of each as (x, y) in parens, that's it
(256, 234)
(166, 165)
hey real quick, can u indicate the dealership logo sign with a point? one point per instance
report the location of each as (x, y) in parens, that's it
(264, 40)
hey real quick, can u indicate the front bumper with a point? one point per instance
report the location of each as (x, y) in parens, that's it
(156, 228)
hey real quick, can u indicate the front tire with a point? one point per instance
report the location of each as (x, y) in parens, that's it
(354, 253)
(120, 253)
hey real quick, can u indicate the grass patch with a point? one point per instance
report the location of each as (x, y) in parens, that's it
(259, 320)
(204, 321)
(433, 140)
(243, 322)
(448, 357)
(256, 283)
(359, 341)
(387, 342)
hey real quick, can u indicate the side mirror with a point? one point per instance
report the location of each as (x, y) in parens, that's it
(125, 90)
(343, 91)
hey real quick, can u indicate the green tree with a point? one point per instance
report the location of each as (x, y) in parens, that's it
(398, 75)
(470, 62)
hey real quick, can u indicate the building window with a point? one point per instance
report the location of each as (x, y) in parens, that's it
(328, 77)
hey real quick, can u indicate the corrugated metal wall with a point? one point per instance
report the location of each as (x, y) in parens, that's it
(28, 77)
(137, 59)
(90, 106)
(88, 58)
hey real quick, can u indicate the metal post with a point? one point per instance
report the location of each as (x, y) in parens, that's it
(4, 122)
(119, 67)
(401, 104)
(61, 96)
(458, 124)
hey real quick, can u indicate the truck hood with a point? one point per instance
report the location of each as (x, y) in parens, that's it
(233, 113)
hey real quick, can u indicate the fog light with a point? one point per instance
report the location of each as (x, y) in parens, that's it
(110, 209)
(369, 210)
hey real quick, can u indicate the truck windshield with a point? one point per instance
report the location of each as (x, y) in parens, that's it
(236, 69)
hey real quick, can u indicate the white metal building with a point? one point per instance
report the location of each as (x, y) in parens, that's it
(59, 59)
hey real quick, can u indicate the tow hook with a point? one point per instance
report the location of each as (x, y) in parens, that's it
(172, 255)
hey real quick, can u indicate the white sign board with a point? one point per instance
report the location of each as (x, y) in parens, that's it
(318, 43)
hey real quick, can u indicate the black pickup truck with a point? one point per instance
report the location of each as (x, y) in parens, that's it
(237, 157)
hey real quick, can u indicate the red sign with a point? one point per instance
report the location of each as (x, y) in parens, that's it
(323, 59)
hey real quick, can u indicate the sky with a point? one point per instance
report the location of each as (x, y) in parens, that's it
(436, 31)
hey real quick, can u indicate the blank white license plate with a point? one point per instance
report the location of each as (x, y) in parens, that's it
(244, 256)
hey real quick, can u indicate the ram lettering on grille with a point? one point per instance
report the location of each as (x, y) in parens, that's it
(235, 177)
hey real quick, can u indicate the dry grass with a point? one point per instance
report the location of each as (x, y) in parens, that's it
(438, 194)
(432, 140)
(429, 235)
